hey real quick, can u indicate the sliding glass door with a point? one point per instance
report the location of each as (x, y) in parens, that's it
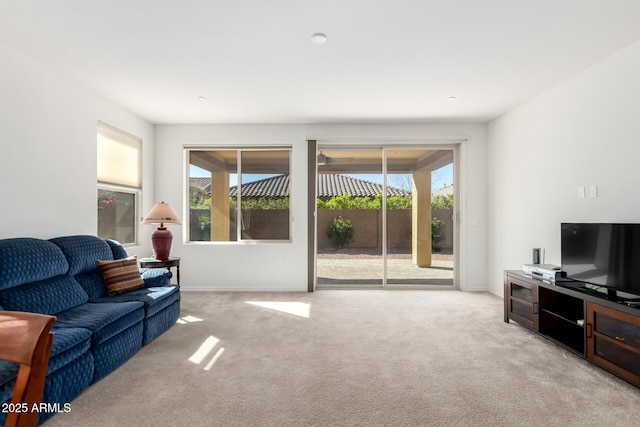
(384, 217)
(349, 223)
(419, 227)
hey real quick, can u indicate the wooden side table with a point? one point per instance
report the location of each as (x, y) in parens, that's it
(157, 263)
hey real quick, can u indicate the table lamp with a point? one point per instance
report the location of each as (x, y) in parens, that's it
(161, 213)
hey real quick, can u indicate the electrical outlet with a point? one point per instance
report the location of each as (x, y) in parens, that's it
(593, 191)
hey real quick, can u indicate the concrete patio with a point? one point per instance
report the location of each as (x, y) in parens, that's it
(354, 267)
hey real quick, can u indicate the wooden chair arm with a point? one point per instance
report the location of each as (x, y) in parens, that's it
(25, 339)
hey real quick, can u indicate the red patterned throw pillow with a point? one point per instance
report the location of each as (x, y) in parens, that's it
(121, 275)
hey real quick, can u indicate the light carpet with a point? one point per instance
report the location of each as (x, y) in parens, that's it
(352, 358)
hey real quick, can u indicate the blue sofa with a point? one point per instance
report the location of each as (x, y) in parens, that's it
(94, 333)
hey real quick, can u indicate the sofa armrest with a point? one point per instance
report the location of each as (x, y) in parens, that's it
(154, 277)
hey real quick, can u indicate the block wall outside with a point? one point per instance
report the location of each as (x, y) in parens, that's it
(367, 225)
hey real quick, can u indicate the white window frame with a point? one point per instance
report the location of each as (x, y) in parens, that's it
(239, 150)
(136, 208)
(115, 185)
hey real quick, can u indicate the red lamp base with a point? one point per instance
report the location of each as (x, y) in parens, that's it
(161, 241)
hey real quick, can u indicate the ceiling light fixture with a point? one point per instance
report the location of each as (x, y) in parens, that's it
(322, 159)
(202, 98)
(451, 98)
(318, 38)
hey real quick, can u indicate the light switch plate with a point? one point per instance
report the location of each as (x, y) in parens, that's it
(581, 192)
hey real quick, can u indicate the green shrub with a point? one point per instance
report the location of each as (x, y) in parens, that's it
(437, 233)
(347, 201)
(442, 201)
(340, 232)
(265, 203)
(398, 202)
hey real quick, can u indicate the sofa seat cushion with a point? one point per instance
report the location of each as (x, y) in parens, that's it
(154, 299)
(104, 320)
(156, 276)
(49, 296)
(93, 283)
(68, 345)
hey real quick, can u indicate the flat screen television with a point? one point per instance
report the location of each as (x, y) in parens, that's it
(606, 255)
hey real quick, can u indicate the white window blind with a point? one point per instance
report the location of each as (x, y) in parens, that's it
(119, 157)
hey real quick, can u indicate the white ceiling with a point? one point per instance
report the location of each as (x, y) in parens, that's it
(392, 61)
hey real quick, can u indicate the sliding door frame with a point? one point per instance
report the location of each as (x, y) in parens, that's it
(315, 145)
(312, 174)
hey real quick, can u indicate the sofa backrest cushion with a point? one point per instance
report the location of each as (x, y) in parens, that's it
(82, 252)
(25, 260)
(92, 283)
(49, 296)
(117, 249)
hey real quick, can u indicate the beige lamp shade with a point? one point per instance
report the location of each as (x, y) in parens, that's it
(161, 213)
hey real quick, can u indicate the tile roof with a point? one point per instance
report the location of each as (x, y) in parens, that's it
(203, 183)
(277, 186)
(329, 185)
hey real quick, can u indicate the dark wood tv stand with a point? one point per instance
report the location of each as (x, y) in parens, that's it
(605, 332)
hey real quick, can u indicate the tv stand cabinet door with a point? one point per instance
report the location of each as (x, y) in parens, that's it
(521, 302)
(613, 341)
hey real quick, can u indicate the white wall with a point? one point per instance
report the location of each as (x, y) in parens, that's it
(279, 266)
(583, 132)
(48, 150)
(48, 176)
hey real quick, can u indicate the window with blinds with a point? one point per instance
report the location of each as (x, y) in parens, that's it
(119, 176)
(119, 157)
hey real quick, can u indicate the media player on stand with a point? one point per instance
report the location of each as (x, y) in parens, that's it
(548, 272)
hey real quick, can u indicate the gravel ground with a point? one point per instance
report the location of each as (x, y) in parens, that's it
(364, 253)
